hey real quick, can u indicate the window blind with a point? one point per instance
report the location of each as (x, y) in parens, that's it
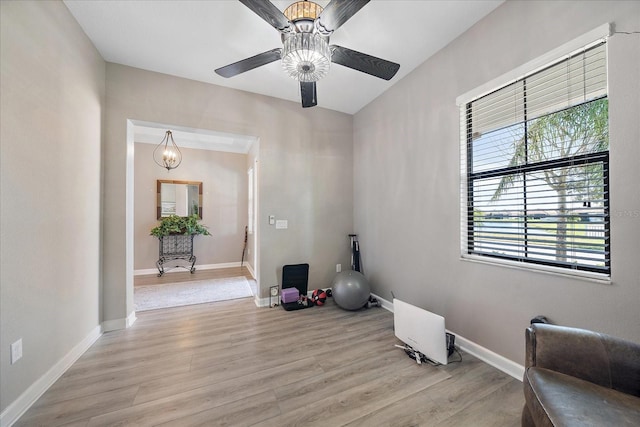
(535, 167)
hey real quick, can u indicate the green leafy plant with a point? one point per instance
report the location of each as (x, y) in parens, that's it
(175, 224)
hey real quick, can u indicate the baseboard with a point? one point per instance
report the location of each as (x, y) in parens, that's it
(250, 268)
(18, 407)
(384, 303)
(131, 319)
(507, 366)
(114, 325)
(262, 302)
(197, 266)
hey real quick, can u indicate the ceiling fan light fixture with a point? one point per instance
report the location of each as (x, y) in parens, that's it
(303, 10)
(306, 57)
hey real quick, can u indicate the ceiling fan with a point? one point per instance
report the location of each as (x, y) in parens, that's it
(306, 55)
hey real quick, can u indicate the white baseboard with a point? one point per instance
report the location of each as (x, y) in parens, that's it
(197, 267)
(250, 268)
(385, 304)
(114, 325)
(122, 323)
(507, 366)
(261, 302)
(19, 406)
(131, 319)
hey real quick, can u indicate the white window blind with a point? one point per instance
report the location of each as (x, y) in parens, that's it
(535, 167)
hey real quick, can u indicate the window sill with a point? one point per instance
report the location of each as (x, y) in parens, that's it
(554, 271)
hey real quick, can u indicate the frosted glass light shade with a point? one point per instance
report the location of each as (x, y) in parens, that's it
(306, 57)
(303, 10)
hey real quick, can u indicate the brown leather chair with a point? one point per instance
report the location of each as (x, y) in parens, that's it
(575, 377)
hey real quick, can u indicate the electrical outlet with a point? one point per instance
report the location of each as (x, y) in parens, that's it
(16, 351)
(338, 268)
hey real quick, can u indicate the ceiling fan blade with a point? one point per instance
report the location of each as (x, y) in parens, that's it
(260, 59)
(338, 12)
(269, 12)
(309, 94)
(365, 63)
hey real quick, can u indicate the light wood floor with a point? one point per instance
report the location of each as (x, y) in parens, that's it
(230, 363)
(181, 275)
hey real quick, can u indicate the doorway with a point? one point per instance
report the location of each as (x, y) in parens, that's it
(225, 263)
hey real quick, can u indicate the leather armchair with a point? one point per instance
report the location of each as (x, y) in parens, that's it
(575, 377)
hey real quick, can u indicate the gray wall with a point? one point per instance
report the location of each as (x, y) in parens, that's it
(403, 148)
(406, 156)
(305, 173)
(224, 203)
(52, 86)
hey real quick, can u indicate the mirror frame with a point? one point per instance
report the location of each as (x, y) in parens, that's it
(159, 183)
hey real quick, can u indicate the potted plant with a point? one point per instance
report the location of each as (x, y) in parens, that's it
(174, 224)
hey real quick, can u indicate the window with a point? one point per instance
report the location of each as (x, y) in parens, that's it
(536, 167)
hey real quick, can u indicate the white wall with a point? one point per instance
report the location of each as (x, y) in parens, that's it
(406, 156)
(306, 175)
(252, 247)
(224, 203)
(52, 86)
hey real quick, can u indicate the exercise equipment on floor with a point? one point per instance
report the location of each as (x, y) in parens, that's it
(295, 280)
(351, 290)
(355, 252)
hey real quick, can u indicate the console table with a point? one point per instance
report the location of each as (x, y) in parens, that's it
(174, 247)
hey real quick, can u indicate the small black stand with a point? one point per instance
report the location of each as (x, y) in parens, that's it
(176, 246)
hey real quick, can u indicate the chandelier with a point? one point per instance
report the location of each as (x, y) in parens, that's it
(167, 154)
(306, 55)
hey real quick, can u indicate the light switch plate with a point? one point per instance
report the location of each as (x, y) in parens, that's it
(16, 351)
(281, 224)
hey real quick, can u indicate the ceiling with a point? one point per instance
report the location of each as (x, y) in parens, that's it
(191, 39)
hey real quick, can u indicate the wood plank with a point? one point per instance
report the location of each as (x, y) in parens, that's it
(502, 408)
(244, 412)
(77, 409)
(204, 398)
(231, 363)
(348, 405)
(343, 378)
